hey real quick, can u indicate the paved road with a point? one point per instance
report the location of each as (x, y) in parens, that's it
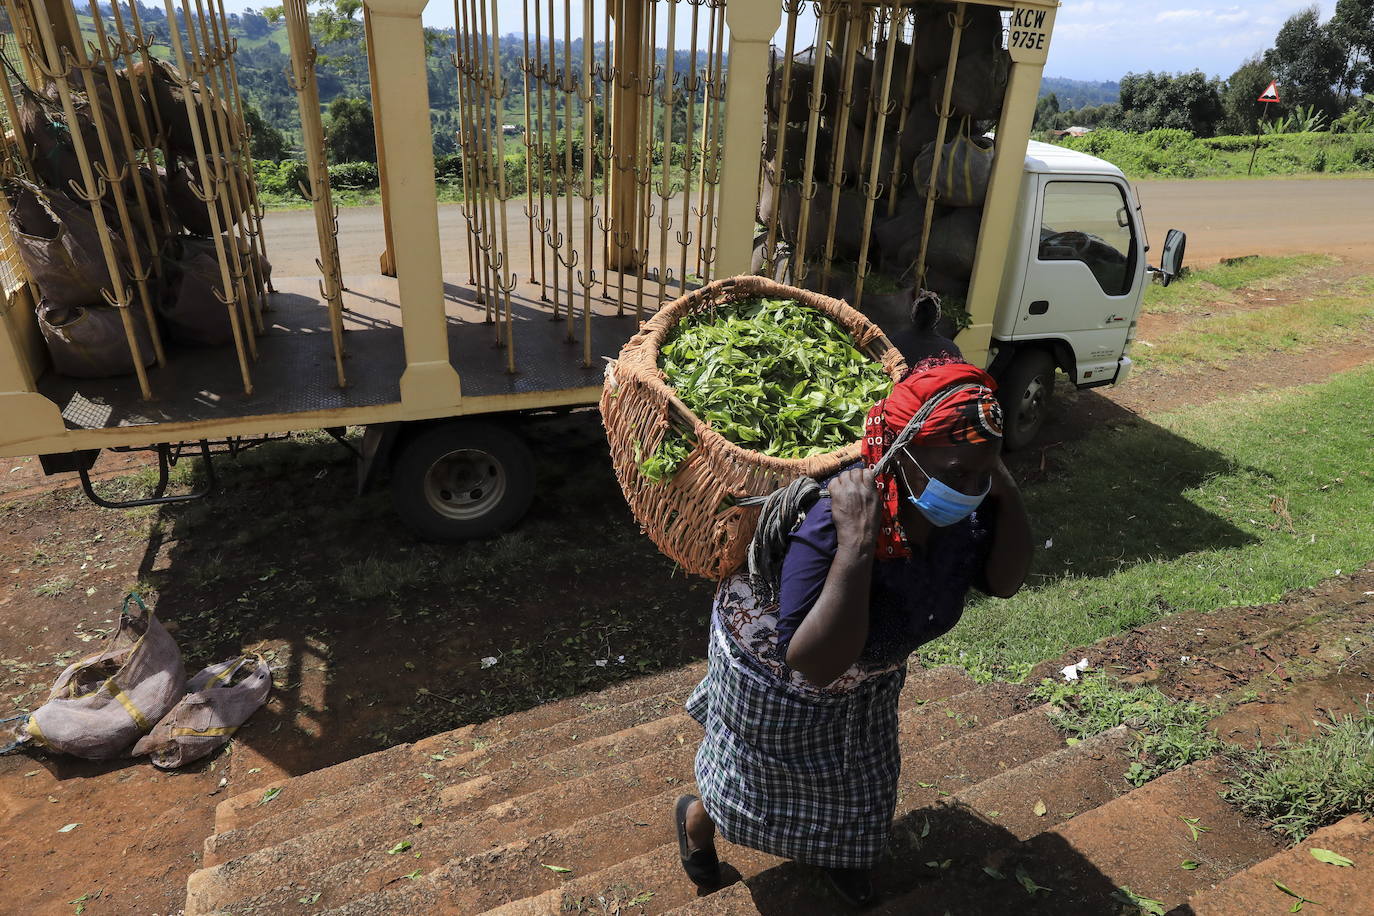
(1222, 219)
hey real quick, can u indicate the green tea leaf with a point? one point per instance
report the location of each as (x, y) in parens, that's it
(558, 869)
(1331, 858)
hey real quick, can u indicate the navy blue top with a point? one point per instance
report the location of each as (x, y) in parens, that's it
(912, 599)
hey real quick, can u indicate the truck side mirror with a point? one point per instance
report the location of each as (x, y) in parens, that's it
(1171, 259)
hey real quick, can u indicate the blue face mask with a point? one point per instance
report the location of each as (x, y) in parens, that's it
(942, 505)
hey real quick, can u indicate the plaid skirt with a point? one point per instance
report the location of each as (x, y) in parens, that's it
(804, 777)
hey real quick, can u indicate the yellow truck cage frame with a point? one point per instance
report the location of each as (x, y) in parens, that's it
(423, 341)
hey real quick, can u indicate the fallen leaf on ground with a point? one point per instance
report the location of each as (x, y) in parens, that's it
(68, 829)
(1331, 858)
(1040, 809)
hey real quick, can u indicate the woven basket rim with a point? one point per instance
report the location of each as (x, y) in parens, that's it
(641, 355)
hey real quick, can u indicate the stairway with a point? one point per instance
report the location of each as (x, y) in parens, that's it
(566, 808)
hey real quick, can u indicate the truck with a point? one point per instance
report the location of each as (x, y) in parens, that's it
(623, 203)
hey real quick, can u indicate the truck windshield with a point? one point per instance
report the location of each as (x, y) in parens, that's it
(1089, 221)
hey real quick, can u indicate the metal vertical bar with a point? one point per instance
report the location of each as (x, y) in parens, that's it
(157, 136)
(555, 236)
(605, 153)
(217, 162)
(249, 175)
(850, 50)
(321, 198)
(231, 142)
(908, 87)
(55, 63)
(114, 173)
(530, 170)
(691, 83)
(784, 101)
(587, 277)
(665, 189)
(146, 134)
(539, 151)
(959, 20)
(566, 92)
(827, 11)
(649, 73)
(506, 279)
(887, 17)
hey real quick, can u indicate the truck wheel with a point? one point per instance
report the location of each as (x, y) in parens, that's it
(1025, 391)
(462, 480)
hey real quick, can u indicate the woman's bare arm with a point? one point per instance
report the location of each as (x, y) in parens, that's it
(834, 632)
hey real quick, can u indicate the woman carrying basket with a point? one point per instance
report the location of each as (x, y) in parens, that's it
(800, 756)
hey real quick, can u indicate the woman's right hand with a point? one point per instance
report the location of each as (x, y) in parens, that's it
(855, 506)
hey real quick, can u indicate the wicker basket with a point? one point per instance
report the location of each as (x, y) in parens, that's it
(692, 518)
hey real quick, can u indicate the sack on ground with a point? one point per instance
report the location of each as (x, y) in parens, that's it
(964, 171)
(215, 705)
(104, 703)
(89, 341)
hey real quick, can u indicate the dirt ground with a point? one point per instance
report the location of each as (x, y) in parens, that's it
(376, 639)
(1222, 219)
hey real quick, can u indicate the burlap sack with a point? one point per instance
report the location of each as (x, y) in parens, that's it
(190, 209)
(59, 244)
(104, 703)
(848, 222)
(954, 243)
(965, 169)
(214, 707)
(45, 134)
(190, 310)
(980, 85)
(935, 31)
(169, 96)
(89, 341)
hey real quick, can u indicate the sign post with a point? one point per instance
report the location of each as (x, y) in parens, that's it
(1269, 97)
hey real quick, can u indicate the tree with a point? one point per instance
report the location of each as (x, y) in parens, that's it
(1240, 99)
(1308, 60)
(1046, 107)
(268, 143)
(1353, 27)
(349, 134)
(1186, 101)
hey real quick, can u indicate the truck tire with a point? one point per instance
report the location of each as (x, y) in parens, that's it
(1025, 391)
(462, 480)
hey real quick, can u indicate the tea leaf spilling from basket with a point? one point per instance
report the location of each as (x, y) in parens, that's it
(770, 375)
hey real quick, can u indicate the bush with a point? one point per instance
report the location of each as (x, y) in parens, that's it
(283, 178)
(448, 168)
(353, 176)
(1362, 154)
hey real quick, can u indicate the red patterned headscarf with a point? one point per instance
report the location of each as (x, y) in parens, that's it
(967, 417)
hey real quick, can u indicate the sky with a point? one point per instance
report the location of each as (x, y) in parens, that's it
(1093, 39)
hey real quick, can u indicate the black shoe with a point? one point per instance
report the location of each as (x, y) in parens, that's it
(855, 885)
(701, 865)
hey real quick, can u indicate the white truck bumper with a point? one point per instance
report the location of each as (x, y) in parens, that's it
(1123, 370)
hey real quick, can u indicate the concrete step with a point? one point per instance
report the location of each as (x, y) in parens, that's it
(1330, 888)
(1139, 841)
(442, 805)
(499, 741)
(599, 849)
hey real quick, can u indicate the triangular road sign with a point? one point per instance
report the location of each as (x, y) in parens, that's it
(1272, 93)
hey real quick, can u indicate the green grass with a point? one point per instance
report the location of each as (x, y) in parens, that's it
(1157, 517)
(1169, 733)
(1298, 787)
(1207, 285)
(1172, 153)
(1221, 338)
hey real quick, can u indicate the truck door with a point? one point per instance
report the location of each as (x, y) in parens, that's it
(1083, 272)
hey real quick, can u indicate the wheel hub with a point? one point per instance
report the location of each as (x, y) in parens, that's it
(464, 484)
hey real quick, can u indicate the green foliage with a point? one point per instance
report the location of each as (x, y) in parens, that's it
(1186, 101)
(268, 143)
(1169, 733)
(770, 375)
(349, 134)
(353, 176)
(1181, 507)
(1308, 60)
(1177, 154)
(1298, 787)
(283, 179)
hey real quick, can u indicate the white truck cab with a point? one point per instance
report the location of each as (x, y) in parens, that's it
(1072, 285)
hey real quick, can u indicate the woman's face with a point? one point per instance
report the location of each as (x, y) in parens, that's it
(967, 468)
